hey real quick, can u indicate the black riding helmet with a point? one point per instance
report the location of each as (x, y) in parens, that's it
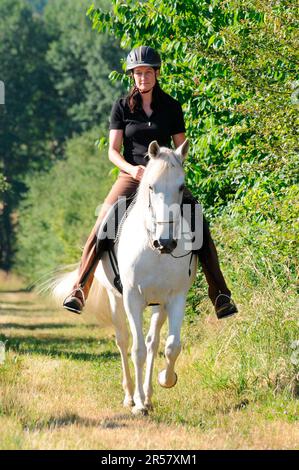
(143, 55)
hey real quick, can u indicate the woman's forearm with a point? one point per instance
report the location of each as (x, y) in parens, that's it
(118, 160)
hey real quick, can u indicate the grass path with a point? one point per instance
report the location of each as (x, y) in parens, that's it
(60, 388)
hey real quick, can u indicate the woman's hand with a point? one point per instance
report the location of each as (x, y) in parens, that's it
(137, 172)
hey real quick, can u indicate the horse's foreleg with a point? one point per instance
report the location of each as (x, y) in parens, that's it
(152, 343)
(122, 342)
(175, 310)
(134, 306)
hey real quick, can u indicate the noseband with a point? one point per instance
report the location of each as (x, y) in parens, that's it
(157, 222)
(154, 221)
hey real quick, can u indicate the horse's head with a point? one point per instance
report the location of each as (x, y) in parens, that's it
(162, 185)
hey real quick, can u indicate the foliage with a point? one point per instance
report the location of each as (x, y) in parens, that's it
(55, 71)
(3, 184)
(233, 65)
(81, 61)
(59, 210)
(38, 5)
(26, 119)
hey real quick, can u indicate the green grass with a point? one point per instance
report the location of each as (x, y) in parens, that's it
(237, 387)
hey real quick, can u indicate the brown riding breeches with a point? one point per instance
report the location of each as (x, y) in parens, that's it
(125, 185)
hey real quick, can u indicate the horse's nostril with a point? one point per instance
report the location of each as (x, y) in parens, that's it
(165, 245)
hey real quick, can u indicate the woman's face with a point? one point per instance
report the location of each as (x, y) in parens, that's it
(145, 78)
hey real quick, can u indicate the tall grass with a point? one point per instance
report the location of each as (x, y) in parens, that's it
(252, 357)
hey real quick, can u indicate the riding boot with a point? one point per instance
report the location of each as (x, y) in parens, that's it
(218, 291)
(89, 262)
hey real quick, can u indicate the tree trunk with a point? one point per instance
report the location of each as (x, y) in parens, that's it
(6, 234)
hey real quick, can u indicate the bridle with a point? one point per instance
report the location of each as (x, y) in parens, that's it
(158, 222)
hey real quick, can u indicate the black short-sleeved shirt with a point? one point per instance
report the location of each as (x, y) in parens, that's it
(140, 130)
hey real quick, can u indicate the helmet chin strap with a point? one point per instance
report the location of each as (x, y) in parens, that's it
(144, 92)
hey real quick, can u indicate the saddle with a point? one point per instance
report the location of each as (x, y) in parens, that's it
(109, 230)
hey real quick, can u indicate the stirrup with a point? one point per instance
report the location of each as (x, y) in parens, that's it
(75, 304)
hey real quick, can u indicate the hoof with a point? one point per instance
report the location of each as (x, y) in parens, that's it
(137, 411)
(128, 403)
(149, 406)
(162, 380)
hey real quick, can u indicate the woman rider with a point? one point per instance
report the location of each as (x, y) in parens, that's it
(146, 114)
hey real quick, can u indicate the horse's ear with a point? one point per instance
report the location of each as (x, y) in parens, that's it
(182, 150)
(153, 149)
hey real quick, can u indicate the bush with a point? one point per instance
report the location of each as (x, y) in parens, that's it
(59, 210)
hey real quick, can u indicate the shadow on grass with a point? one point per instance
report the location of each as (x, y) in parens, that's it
(39, 326)
(67, 348)
(68, 419)
(14, 291)
(26, 309)
(48, 326)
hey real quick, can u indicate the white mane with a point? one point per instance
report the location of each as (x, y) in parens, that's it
(166, 161)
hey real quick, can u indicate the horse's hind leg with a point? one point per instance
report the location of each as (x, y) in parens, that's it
(152, 344)
(122, 342)
(175, 310)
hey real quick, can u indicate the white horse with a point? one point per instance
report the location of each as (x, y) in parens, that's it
(155, 268)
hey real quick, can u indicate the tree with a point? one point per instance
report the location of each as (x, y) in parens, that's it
(26, 122)
(55, 72)
(232, 63)
(38, 5)
(81, 60)
(60, 206)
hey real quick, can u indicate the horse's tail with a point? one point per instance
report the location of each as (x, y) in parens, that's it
(97, 306)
